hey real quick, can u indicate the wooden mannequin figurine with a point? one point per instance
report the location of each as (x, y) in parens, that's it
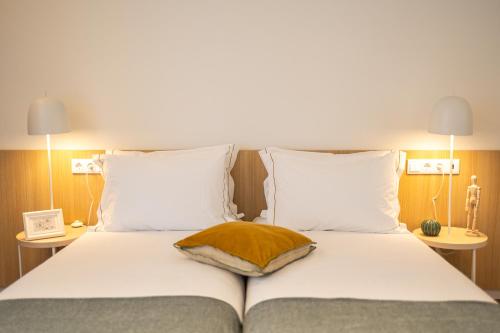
(472, 206)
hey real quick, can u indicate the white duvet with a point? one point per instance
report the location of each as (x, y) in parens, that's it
(127, 264)
(344, 265)
(367, 266)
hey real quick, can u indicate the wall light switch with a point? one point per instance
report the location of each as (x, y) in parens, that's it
(84, 165)
(432, 166)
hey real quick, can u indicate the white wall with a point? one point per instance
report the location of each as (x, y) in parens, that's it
(295, 73)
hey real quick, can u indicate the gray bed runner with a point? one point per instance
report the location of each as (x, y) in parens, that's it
(96, 315)
(349, 315)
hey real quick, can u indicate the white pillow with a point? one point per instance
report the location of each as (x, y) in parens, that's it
(400, 162)
(323, 191)
(168, 190)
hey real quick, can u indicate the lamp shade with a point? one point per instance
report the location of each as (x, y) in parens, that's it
(47, 116)
(452, 115)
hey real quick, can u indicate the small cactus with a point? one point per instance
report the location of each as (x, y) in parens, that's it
(430, 227)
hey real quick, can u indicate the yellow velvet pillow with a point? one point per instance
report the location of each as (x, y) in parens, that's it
(246, 248)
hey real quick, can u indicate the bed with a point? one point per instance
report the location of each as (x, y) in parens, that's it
(362, 282)
(123, 282)
(127, 276)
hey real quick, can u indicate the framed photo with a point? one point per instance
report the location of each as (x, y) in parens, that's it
(43, 224)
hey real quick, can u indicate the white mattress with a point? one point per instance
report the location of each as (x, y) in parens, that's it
(367, 266)
(127, 264)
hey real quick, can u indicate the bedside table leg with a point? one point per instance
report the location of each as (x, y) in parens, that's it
(53, 251)
(20, 261)
(473, 269)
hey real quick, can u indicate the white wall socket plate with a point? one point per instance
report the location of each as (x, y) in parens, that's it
(432, 166)
(84, 165)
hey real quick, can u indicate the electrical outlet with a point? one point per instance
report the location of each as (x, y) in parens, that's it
(84, 165)
(434, 166)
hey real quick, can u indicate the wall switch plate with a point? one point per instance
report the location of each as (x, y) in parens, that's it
(84, 166)
(433, 166)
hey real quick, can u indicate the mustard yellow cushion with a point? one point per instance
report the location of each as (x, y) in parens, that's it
(246, 248)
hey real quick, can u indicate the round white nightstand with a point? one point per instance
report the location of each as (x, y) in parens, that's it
(457, 240)
(47, 243)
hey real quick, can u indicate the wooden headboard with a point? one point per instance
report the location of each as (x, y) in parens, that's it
(249, 174)
(24, 187)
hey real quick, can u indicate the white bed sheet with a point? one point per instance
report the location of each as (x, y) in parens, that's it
(367, 266)
(127, 264)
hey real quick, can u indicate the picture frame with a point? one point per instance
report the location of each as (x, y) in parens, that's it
(43, 224)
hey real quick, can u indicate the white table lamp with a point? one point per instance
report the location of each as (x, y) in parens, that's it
(46, 116)
(452, 115)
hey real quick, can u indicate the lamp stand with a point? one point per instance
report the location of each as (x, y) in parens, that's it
(49, 158)
(450, 186)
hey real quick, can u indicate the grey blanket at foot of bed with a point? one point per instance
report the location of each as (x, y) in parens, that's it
(349, 315)
(96, 315)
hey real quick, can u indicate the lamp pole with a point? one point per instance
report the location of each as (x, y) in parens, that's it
(450, 185)
(49, 157)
